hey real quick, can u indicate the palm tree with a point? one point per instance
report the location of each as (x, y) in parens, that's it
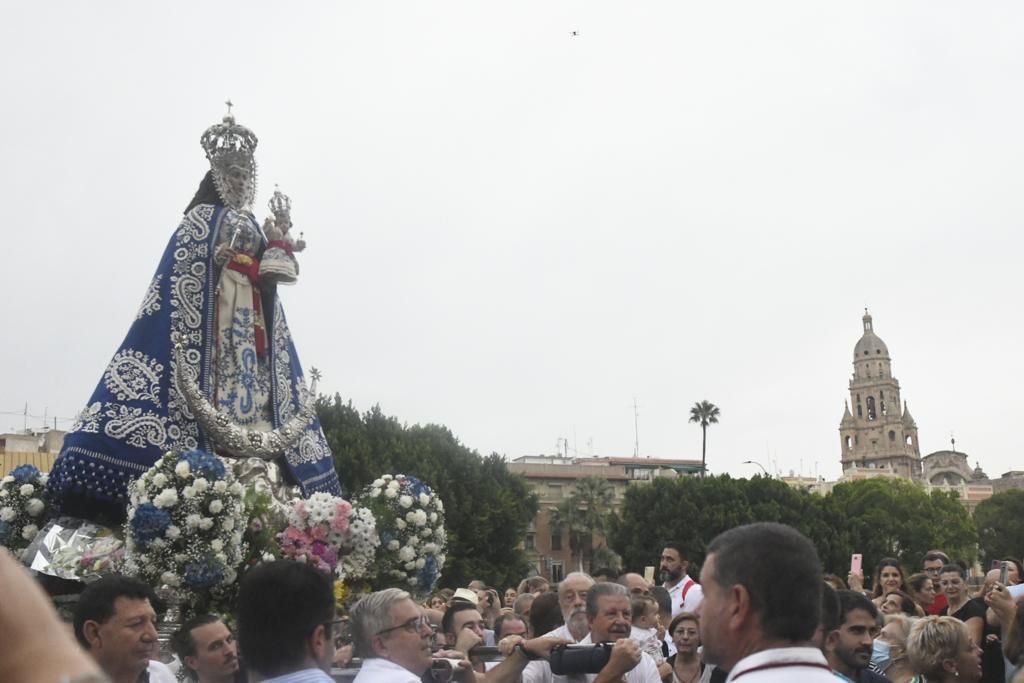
(566, 515)
(585, 513)
(595, 500)
(705, 413)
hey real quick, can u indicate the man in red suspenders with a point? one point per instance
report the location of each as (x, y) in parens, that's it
(684, 592)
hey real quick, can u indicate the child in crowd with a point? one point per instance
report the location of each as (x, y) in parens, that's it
(646, 621)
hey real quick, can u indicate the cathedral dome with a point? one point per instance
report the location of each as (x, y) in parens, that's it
(870, 345)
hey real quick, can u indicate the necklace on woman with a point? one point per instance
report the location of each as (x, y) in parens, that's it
(691, 679)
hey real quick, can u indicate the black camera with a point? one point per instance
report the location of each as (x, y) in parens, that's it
(579, 659)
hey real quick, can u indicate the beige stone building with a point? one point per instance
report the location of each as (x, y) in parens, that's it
(877, 430)
(878, 436)
(553, 479)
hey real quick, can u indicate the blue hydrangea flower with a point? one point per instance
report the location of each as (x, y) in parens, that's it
(24, 474)
(428, 575)
(149, 522)
(202, 464)
(203, 574)
(417, 486)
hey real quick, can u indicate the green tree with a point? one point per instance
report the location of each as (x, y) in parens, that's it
(704, 413)
(876, 517)
(487, 508)
(897, 518)
(1000, 524)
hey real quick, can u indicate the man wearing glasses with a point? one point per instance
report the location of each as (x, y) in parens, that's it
(393, 637)
(286, 623)
(932, 564)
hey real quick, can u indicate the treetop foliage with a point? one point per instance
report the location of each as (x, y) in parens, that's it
(487, 508)
(875, 517)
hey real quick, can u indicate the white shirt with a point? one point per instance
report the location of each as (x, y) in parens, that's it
(160, 673)
(783, 665)
(377, 670)
(647, 639)
(694, 595)
(562, 632)
(540, 671)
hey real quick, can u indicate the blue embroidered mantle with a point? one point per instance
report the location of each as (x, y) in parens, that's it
(137, 412)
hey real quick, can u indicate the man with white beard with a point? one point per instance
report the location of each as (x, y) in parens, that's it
(572, 598)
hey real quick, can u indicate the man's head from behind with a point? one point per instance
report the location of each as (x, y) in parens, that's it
(848, 647)
(285, 618)
(609, 611)
(206, 648)
(388, 625)
(762, 583)
(115, 620)
(674, 563)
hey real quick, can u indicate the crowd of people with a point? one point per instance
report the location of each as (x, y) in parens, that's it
(760, 611)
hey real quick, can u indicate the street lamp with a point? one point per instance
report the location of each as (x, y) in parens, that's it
(754, 462)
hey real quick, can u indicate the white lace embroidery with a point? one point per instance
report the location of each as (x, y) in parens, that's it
(282, 365)
(150, 302)
(137, 428)
(186, 299)
(134, 376)
(89, 419)
(312, 447)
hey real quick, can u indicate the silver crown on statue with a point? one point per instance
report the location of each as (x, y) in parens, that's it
(280, 204)
(228, 139)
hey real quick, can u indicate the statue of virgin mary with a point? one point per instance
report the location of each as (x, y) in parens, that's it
(208, 361)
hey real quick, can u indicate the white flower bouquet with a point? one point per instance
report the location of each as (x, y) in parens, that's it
(331, 534)
(23, 507)
(185, 523)
(410, 519)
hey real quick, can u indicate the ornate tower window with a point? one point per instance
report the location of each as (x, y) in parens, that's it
(871, 408)
(892, 436)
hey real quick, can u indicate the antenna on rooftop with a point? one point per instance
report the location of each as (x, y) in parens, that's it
(636, 429)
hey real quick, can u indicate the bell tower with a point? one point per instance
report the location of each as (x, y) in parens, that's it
(877, 430)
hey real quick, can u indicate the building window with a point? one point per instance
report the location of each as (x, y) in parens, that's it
(557, 572)
(892, 437)
(556, 541)
(849, 443)
(910, 440)
(555, 490)
(531, 542)
(871, 408)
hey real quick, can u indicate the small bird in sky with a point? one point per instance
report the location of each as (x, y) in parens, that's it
(574, 34)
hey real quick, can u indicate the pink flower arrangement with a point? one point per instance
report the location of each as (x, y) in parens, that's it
(318, 532)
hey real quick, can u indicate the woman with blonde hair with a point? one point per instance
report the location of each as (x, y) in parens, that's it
(941, 650)
(889, 654)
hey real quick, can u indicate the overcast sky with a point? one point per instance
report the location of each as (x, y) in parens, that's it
(515, 232)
